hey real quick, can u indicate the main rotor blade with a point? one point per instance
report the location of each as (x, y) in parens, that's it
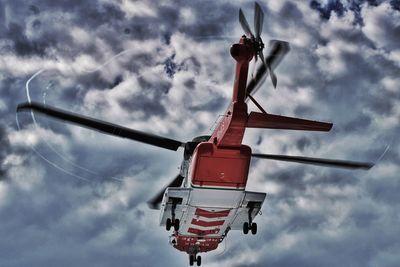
(101, 126)
(277, 51)
(155, 202)
(318, 161)
(245, 24)
(258, 20)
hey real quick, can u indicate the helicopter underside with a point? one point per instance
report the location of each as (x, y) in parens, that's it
(205, 216)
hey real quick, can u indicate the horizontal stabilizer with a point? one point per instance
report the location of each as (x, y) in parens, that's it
(270, 121)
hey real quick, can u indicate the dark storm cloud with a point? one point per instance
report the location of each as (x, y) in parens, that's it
(5, 150)
(325, 10)
(213, 105)
(22, 45)
(302, 143)
(339, 7)
(312, 217)
(146, 104)
(291, 11)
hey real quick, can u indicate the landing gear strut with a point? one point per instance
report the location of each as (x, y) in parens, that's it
(250, 225)
(172, 222)
(193, 259)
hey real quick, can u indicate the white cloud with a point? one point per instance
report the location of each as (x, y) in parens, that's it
(332, 72)
(137, 9)
(382, 25)
(187, 16)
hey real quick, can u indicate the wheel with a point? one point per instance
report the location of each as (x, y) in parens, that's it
(168, 224)
(198, 260)
(254, 228)
(245, 228)
(191, 260)
(176, 224)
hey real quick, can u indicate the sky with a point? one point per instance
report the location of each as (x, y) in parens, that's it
(73, 197)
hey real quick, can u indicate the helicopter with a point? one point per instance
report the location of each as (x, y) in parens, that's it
(208, 197)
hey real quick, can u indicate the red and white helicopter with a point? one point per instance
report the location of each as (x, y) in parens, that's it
(208, 198)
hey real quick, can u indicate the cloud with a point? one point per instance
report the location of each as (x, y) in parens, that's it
(163, 68)
(379, 18)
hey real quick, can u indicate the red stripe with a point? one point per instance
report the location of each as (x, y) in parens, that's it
(202, 232)
(212, 214)
(206, 224)
(218, 184)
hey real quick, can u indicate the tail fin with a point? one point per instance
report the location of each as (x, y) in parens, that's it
(264, 120)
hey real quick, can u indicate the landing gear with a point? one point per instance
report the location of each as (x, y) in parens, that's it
(193, 259)
(176, 224)
(172, 222)
(250, 225)
(247, 227)
(254, 228)
(169, 223)
(198, 260)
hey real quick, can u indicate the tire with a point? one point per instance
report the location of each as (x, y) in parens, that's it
(245, 228)
(168, 224)
(198, 260)
(191, 260)
(254, 228)
(176, 224)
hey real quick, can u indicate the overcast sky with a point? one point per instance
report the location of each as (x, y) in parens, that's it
(72, 197)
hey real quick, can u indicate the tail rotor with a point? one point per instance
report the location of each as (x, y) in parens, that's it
(277, 50)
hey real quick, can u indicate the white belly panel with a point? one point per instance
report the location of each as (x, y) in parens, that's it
(201, 197)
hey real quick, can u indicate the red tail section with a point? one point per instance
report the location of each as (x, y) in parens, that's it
(230, 131)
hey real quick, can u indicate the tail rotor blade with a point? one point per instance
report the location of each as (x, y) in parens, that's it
(272, 74)
(155, 202)
(277, 51)
(258, 20)
(245, 24)
(318, 161)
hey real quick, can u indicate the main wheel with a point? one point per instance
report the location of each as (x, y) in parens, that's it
(198, 260)
(191, 260)
(176, 224)
(168, 224)
(245, 228)
(254, 228)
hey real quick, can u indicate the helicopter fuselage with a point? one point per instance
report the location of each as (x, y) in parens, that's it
(212, 200)
(208, 198)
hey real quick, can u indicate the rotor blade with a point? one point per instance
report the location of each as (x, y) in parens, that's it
(258, 20)
(101, 126)
(155, 202)
(318, 161)
(245, 24)
(272, 74)
(277, 51)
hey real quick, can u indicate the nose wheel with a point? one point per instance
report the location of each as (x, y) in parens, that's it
(193, 259)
